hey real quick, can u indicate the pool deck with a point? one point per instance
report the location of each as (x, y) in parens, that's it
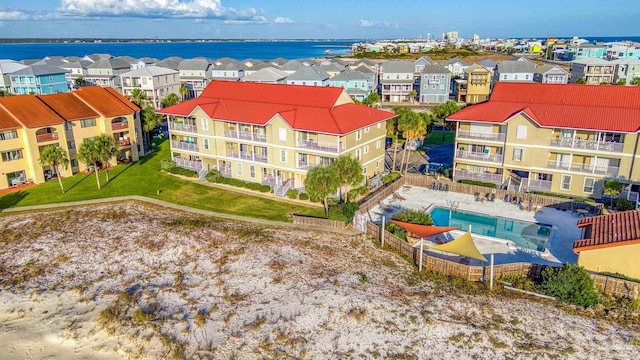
(559, 246)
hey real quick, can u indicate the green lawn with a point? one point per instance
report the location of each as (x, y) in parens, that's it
(435, 138)
(145, 178)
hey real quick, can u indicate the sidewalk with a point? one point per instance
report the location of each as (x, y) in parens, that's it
(348, 232)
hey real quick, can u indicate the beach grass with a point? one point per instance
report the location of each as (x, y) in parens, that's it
(145, 178)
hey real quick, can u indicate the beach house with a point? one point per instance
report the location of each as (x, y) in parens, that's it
(39, 80)
(154, 81)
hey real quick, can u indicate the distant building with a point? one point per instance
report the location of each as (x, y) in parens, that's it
(593, 71)
(397, 80)
(475, 87)
(514, 70)
(155, 82)
(308, 75)
(450, 36)
(39, 80)
(434, 86)
(6, 68)
(357, 84)
(455, 66)
(195, 74)
(550, 74)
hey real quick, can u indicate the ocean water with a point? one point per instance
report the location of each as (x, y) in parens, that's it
(263, 50)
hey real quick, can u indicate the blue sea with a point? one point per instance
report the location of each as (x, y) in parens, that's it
(263, 50)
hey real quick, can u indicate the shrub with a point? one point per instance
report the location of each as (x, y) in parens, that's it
(166, 164)
(349, 211)
(332, 201)
(570, 284)
(180, 171)
(265, 188)
(303, 196)
(390, 177)
(357, 191)
(447, 173)
(292, 193)
(623, 204)
(478, 183)
(213, 176)
(314, 199)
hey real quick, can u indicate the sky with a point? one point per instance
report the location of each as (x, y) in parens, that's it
(316, 19)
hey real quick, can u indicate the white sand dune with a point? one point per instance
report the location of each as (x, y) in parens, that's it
(134, 281)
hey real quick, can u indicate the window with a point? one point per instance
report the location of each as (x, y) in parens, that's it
(397, 76)
(442, 76)
(434, 77)
(434, 86)
(358, 154)
(12, 155)
(74, 162)
(71, 144)
(378, 144)
(282, 134)
(204, 124)
(239, 169)
(51, 78)
(358, 134)
(504, 77)
(522, 132)
(283, 156)
(566, 182)
(205, 144)
(144, 81)
(366, 149)
(87, 123)
(516, 77)
(425, 86)
(8, 135)
(252, 171)
(588, 185)
(517, 154)
(377, 164)
(68, 125)
(526, 77)
(364, 170)
(367, 129)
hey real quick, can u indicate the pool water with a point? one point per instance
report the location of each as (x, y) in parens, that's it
(524, 234)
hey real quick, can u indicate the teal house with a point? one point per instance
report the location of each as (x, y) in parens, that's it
(357, 84)
(39, 80)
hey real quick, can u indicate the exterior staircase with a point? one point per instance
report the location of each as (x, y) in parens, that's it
(202, 173)
(514, 183)
(281, 190)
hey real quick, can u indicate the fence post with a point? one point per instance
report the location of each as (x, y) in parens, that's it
(382, 232)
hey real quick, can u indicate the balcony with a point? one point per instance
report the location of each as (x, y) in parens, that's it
(303, 165)
(182, 127)
(184, 146)
(188, 164)
(396, 92)
(486, 177)
(119, 125)
(587, 144)
(481, 136)
(124, 142)
(585, 168)
(247, 155)
(470, 155)
(536, 185)
(327, 147)
(245, 135)
(47, 137)
(224, 170)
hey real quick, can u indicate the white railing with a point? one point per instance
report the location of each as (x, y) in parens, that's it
(245, 135)
(486, 177)
(202, 173)
(480, 136)
(225, 171)
(533, 184)
(587, 144)
(184, 146)
(285, 187)
(303, 165)
(496, 158)
(327, 147)
(268, 180)
(246, 155)
(188, 164)
(585, 168)
(182, 127)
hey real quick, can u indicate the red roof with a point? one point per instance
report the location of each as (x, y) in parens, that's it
(592, 107)
(7, 122)
(424, 231)
(68, 106)
(308, 108)
(103, 101)
(30, 111)
(622, 228)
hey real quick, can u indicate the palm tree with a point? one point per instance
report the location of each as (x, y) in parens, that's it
(635, 81)
(348, 172)
(90, 154)
(392, 129)
(320, 183)
(108, 149)
(412, 95)
(170, 100)
(138, 97)
(184, 91)
(413, 127)
(54, 156)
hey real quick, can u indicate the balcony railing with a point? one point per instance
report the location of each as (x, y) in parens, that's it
(119, 125)
(396, 92)
(486, 177)
(328, 147)
(187, 164)
(268, 180)
(47, 137)
(303, 165)
(480, 136)
(585, 168)
(587, 144)
(496, 158)
(225, 171)
(184, 146)
(245, 135)
(124, 142)
(247, 155)
(182, 127)
(536, 185)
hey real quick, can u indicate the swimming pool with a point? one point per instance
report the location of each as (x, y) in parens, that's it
(524, 234)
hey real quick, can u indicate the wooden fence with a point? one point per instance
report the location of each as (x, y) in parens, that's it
(611, 285)
(527, 198)
(371, 200)
(314, 221)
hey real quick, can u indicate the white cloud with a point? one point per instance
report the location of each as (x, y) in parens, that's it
(283, 20)
(157, 9)
(198, 21)
(371, 23)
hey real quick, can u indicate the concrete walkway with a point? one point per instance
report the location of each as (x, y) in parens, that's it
(48, 207)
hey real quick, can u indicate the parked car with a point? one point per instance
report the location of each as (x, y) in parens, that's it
(388, 143)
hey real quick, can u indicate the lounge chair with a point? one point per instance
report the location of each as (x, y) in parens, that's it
(491, 197)
(433, 185)
(439, 188)
(476, 196)
(446, 187)
(481, 198)
(507, 198)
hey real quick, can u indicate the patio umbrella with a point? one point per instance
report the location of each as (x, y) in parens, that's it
(424, 231)
(462, 246)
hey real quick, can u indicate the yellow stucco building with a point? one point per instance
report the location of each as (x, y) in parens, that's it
(610, 243)
(565, 139)
(475, 87)
(29, 123)
(274, 133)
